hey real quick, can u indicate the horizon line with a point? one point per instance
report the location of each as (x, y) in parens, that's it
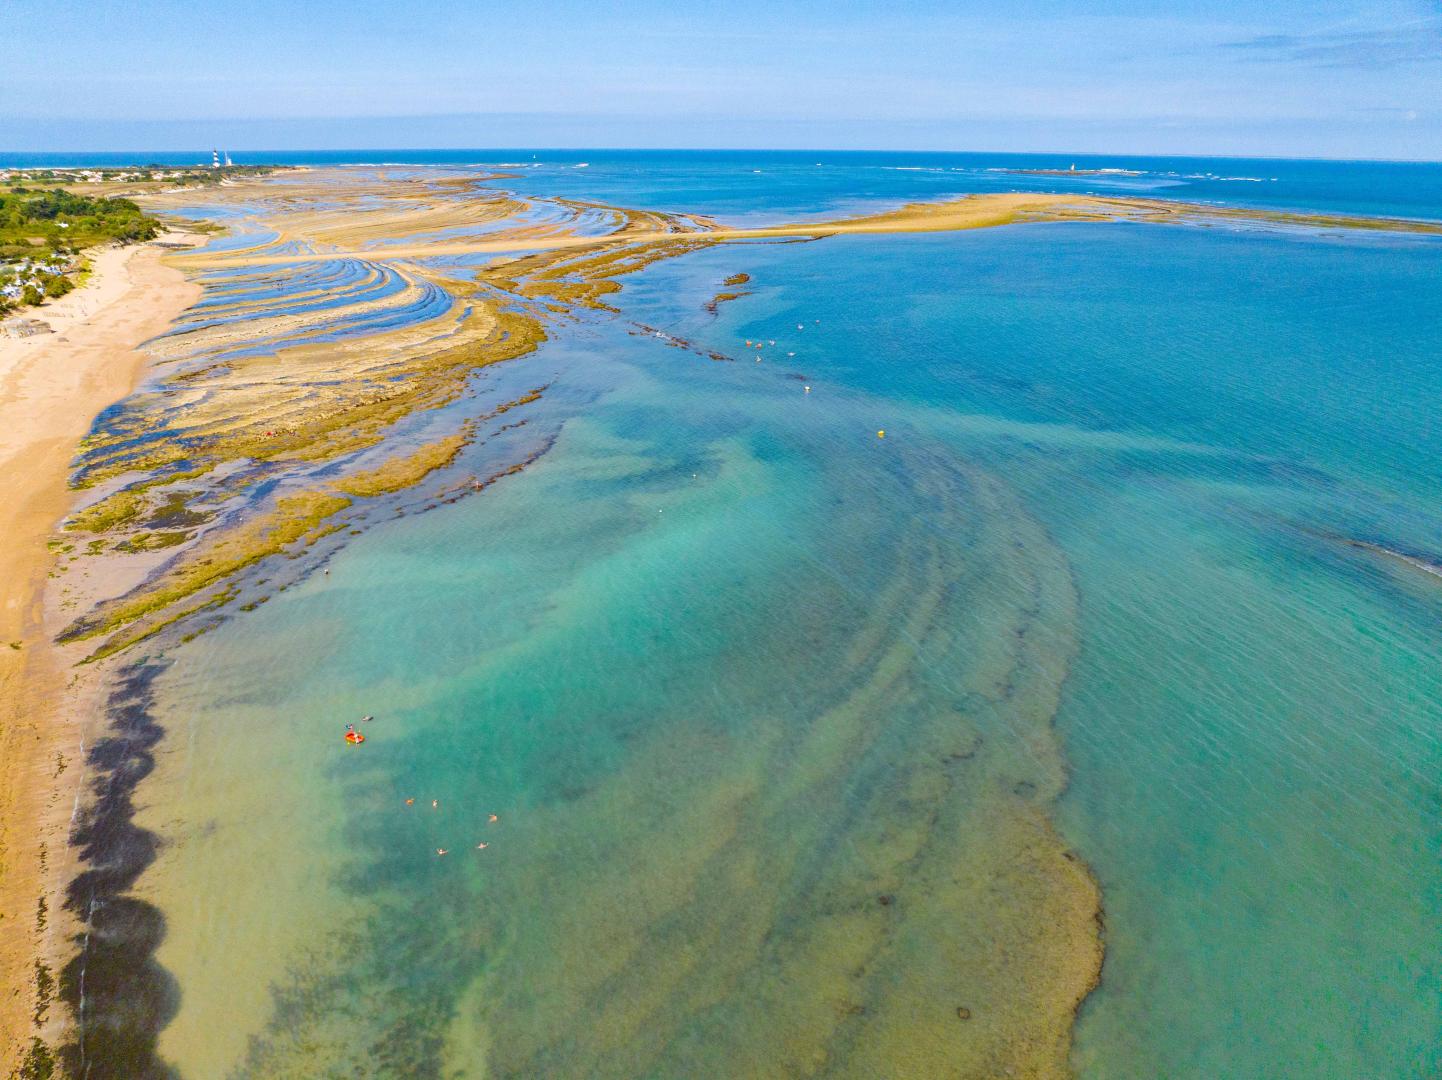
(709, 149)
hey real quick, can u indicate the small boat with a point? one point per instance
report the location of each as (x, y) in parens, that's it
(355, 738)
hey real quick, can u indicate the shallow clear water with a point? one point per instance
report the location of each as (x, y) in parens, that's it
(1253, 719)
(728, 667)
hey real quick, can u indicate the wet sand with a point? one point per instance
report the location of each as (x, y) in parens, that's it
(51, 388)
(970, 212)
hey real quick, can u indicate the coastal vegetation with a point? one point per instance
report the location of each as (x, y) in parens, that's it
(42, 232)
(130, 179)
(38, 222)
(48, 217)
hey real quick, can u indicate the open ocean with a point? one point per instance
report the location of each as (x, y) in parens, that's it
(1195, 470)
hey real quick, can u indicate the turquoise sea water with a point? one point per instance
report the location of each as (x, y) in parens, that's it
(754, 183)
(1252, 721)
(702, 659)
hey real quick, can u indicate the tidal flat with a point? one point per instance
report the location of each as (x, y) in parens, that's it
(716, 732)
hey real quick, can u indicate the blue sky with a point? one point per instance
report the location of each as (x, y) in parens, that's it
(1277, 78)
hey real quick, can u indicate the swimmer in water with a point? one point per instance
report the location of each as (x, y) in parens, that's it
(410, 802)
(482, 847)
(435, 803)
(443, 851)
(492, 818)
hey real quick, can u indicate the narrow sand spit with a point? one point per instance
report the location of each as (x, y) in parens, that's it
(968, 212)
(51, 388)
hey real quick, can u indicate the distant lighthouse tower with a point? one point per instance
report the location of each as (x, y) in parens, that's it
(215, 159)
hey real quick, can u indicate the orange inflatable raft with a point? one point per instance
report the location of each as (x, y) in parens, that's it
(355, 738)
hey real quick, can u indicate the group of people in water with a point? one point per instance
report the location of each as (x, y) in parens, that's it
(355, 738)
(491, 819)
(758, 344)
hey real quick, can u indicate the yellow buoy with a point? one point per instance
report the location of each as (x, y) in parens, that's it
(881, 434)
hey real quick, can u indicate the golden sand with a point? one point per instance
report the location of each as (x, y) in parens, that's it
(51, 388)
(970, 212)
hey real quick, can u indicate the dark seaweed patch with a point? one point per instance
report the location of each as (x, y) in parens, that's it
(119, 996)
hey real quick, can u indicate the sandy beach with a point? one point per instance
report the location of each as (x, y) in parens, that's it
(51, 388)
